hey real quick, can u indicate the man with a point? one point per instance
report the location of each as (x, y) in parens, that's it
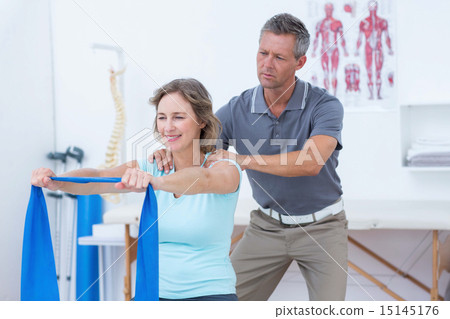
(297, 128)
(373, 28)
(331, 30)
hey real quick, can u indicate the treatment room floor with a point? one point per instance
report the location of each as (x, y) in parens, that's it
(405, 250)
(293, 287)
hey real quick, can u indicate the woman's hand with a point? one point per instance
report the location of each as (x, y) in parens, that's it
(135, 180)
(41, 178)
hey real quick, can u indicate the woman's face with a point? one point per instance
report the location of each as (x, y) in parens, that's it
(177, 122)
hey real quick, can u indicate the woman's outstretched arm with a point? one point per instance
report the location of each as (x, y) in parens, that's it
(222, 178)
(41, 178)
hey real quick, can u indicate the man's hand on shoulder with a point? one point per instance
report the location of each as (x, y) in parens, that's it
(223, 154)
(163, 159)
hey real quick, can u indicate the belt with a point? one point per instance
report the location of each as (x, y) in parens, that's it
(296, 220)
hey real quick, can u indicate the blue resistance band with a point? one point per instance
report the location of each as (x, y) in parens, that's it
(38, 279)
(84, 180)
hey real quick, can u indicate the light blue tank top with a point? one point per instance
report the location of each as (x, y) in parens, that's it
(194, 241)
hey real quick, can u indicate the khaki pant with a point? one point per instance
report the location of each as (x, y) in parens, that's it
(267, 249)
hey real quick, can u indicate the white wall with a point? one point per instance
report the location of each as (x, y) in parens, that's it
(370, 164)
(215, 42)
(207, 41)
(26, 123)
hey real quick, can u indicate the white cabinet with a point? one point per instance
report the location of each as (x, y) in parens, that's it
(423, 121)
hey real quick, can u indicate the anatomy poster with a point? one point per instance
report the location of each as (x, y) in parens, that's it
(352, 51)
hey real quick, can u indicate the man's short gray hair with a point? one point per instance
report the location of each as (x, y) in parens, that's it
(285, 23)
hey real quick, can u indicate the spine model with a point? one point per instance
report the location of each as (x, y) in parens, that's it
(114, 145)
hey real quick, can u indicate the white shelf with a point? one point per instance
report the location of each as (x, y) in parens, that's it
(419, 121)
(101, 241)
(426, 169)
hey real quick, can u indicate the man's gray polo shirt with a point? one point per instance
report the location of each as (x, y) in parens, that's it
(251, 128)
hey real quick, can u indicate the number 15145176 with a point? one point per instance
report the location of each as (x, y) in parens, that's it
(410, 310)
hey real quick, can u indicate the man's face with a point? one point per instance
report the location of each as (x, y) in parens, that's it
(276, 64)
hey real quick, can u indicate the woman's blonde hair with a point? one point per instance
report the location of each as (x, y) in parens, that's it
(196, 94)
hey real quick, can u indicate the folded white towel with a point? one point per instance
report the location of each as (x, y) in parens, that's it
(430, 159)
(423, 162)
(433, 141)
(416, 150)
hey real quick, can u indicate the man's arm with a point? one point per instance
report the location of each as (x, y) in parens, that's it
(324, 139)
(306, 162)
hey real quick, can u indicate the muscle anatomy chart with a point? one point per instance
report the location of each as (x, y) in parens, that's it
(352, 51)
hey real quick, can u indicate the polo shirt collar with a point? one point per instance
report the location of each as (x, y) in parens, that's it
(296, 102)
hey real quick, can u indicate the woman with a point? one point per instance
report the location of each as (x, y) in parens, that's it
(195, 204)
